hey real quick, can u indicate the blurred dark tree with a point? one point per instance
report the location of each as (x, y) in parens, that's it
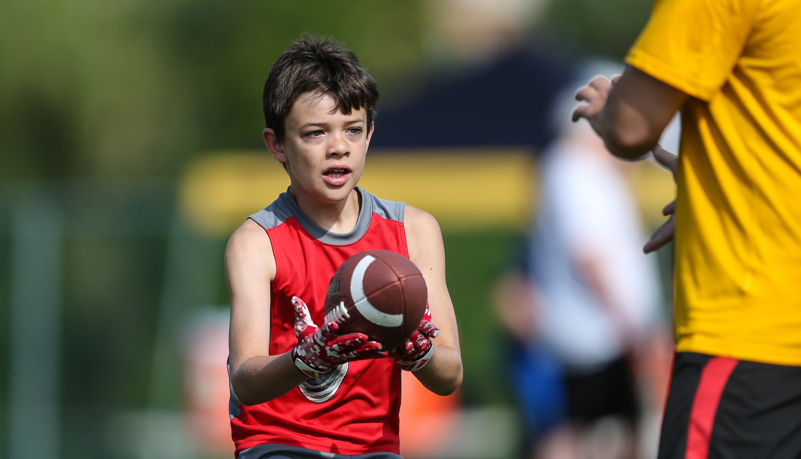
(593, 27)
(224, 54)
(137, 88)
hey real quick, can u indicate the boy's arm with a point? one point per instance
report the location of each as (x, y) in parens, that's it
(256, 376)
(443, 373)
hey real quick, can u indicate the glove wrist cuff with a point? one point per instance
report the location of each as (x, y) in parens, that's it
(305, 368)
(417, 363)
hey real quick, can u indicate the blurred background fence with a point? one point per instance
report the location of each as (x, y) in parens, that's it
(130, 148)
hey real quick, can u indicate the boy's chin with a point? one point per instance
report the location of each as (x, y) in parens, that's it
(334, 194)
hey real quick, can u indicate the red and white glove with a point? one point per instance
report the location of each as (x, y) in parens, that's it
(320, 349)
(413, 354)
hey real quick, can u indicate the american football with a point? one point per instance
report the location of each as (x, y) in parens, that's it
(379, 293)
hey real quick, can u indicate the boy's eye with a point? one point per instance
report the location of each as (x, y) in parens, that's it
(314, 134)
(355, 130)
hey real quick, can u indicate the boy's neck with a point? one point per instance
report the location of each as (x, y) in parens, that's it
(339, 217)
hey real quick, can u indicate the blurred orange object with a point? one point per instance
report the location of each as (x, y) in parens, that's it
(428, 422)
(207, 419)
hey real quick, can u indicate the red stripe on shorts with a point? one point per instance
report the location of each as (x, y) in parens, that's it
(714, 377)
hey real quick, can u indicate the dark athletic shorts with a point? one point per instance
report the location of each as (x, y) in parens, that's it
(275, 451)
(725, 408)
(608, 391)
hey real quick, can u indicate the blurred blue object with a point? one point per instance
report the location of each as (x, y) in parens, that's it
(506, 102)
(537, 380)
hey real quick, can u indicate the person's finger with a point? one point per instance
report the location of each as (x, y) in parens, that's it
(587, 94)
(578, 113)
(403, 350)
(300, 324)
(302, 319)
(669, 209)
(372, 350)
(429, 329)
(421, 341)
(670, 161)
(582, 111)
(661, 237)
(348, 341)
(601, 83)
(407, 347)
(615, 79)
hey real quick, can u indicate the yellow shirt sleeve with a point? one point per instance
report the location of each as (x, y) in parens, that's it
(693, 45)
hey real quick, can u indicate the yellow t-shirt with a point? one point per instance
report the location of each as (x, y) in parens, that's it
(738, 217)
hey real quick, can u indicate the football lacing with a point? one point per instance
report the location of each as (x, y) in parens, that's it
(337, 314)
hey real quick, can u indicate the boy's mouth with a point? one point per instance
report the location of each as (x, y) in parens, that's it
(337, 176)
(336, 172)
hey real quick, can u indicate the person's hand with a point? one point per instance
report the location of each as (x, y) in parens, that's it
(320, 349)
(664, 234)
(595, 95)
(416, 351)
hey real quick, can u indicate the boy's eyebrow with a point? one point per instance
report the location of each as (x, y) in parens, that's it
(314, 123)
(324, 124)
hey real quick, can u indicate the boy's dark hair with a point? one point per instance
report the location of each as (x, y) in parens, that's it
(317, 65)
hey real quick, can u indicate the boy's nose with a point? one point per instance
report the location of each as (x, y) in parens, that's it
(338, 146)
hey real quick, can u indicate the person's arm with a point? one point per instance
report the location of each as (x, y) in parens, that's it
(256, 376)
(629, 113)
(443, 372)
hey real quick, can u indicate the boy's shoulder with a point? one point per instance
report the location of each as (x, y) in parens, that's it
(421, 223)
(424, 239)
(276, 213)
(249, 250)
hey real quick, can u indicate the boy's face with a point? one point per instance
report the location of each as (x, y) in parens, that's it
(324, 151)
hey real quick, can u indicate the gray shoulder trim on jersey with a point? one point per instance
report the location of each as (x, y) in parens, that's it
(389, 210)
(274, 214)
(285, 206)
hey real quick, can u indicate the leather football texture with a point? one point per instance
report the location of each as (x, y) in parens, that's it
(379, 293)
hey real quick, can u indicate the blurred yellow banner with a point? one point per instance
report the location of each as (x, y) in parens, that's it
(464, 189)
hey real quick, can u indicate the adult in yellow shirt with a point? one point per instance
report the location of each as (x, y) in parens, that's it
(733, 69)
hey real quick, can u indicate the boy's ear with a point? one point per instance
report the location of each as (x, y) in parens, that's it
(276, 148)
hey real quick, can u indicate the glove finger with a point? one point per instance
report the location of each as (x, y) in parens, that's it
(326, 334)
(368, 350)
(403, 350)
(302, 316)
(422, 342)
(348, 341)
(428, 329)
(427, 314)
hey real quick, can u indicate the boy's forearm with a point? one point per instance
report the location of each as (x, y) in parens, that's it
(443, 374)
(264, 378)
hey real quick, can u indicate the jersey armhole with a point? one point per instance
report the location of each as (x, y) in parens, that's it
(402, 228)
(274, 248)
(275, 322)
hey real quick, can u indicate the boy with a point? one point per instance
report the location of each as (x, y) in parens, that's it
(299, 390)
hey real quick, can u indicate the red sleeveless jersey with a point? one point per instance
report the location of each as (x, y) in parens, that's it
(353, 409)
